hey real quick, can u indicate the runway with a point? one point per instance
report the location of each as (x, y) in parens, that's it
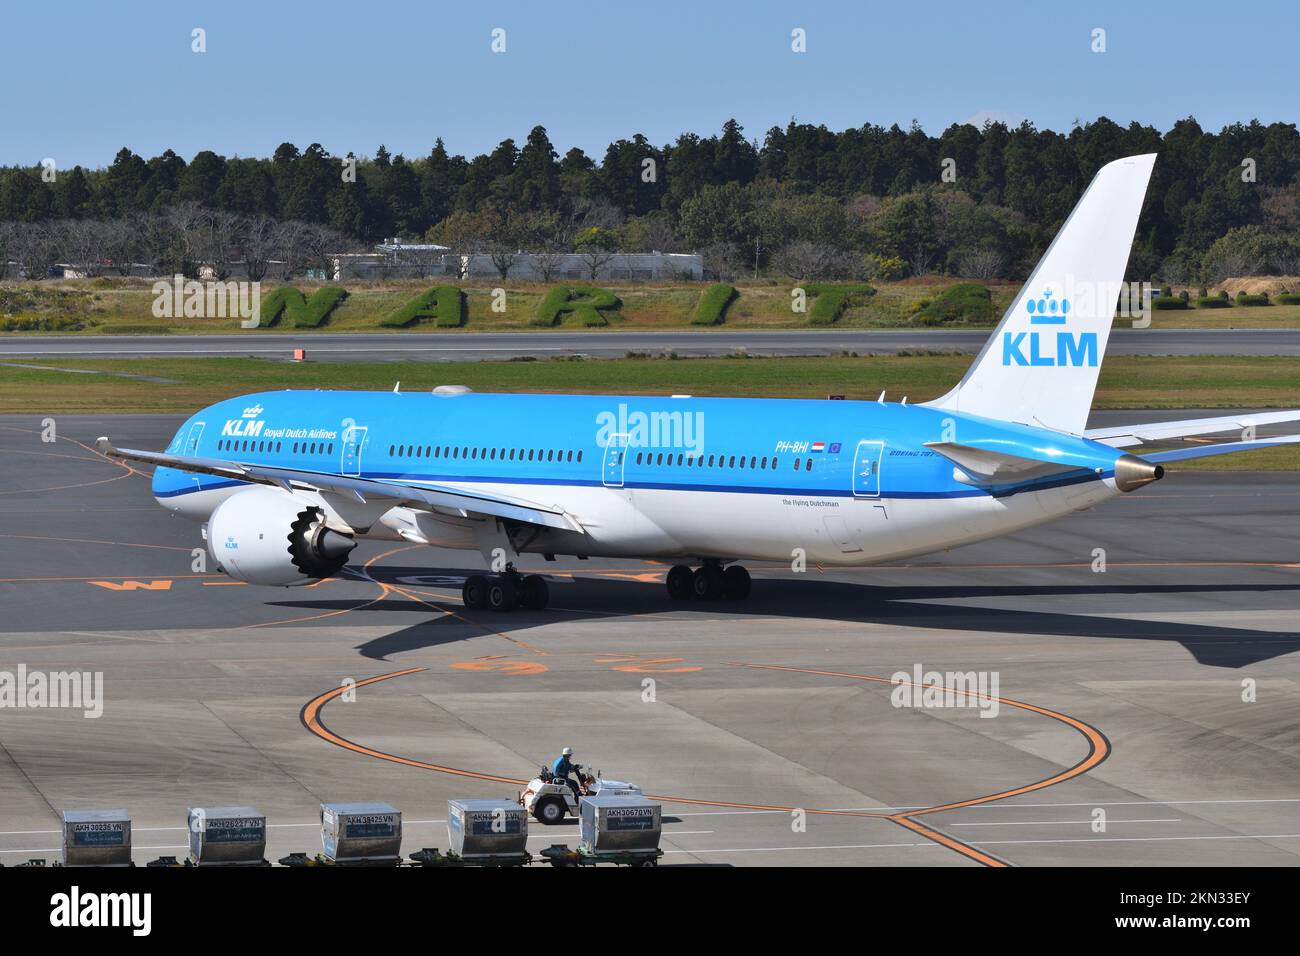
(1147, 711)
(476, 346)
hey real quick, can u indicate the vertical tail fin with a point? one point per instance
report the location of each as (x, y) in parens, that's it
(1040, 366)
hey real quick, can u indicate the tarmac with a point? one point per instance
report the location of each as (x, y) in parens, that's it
(1142, 714)
(457, 346)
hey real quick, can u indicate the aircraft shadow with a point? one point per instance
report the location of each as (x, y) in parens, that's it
(811, 599)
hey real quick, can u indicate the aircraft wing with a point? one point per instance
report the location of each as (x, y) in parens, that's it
(421, 496)
(1124, 436)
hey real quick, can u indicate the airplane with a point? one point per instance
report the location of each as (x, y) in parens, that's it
(286, 482)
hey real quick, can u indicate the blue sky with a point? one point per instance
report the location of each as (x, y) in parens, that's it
(82, 79)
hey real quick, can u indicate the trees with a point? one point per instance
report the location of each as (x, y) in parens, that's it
(35, 248)
(549, 237)
(465, 233)
(1250, 251)
(257, 241)
(805, 183)
(535, 181)
(626, 180)
(501, 239)
(7, 230)
(809, 259)
(982, 263)
(906, 226)
(84, 244)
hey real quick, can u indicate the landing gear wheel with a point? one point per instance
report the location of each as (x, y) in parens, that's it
(706, 583)
(502, 594)
(735, 583)
(475, 592)
(534, 593)
(679, 582)
(549, 811)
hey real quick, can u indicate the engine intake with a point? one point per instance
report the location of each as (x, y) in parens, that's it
(269, 536)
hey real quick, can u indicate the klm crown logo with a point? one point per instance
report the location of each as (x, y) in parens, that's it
(1044, 348)
(1046, 310)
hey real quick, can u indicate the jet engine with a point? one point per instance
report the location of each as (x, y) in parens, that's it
(269, 536)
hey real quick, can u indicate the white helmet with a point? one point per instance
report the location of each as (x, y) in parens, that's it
(567, 752)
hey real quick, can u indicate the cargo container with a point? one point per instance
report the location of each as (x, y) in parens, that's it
(619, 824)
(361, 832)
(96, 838)
(486, 830)
(226, 836)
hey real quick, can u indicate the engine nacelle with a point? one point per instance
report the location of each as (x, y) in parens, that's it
(266, 535)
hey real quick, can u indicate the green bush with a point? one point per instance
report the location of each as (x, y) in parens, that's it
(963, 303)
(586, 305)
(831, 298)
(886, 268)
(713, 304)
(1267, 252)
(41, 323)
(302, 312)
(14, 301)
(1168, 302)
(1212, 302)
(443, 305)
(1244, 298)
(1288, 298)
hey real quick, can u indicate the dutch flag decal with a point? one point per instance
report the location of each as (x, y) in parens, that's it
(819, 446)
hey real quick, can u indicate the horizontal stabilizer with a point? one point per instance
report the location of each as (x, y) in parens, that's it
(1124, 436)
(991, 466)
(1227, 448)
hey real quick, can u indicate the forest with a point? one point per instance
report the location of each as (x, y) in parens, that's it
(803, 201)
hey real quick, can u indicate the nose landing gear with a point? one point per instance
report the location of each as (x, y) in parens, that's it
(709, 582)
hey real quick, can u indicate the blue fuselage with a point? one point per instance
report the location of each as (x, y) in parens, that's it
(785, 447)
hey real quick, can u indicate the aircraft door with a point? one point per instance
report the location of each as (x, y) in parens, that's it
(354, 440)
(866, 469)
(192, 439)
(615, 461)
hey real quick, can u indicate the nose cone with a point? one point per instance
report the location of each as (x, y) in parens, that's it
(1131, 473)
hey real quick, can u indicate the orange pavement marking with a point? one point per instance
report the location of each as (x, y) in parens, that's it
(164, 584)
(1099, 750)
(500, 666)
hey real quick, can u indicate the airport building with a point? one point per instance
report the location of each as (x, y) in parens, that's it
(393, 260)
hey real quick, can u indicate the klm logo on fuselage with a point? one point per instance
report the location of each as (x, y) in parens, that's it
(246, 426)
(242, 428)
(1039, 346)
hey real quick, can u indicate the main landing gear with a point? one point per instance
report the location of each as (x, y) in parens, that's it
(709, 582)
(506, 591)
